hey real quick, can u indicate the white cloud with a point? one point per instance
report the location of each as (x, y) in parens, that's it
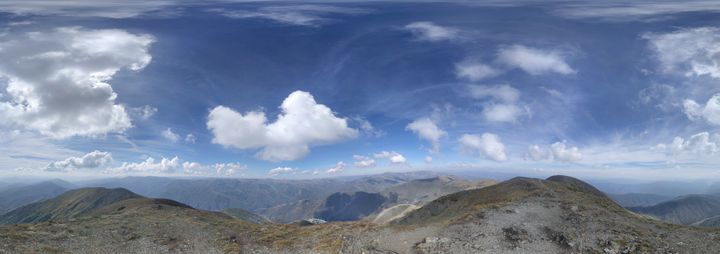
(392, 156)
(487, 144)
(502, 112)
(504, 93)
(57, 81)
(300, 15)
(218, 169)
(170, 135)
(562, 153)
(426, 129)
(302, 123)
(692, 52)
(502, 104)
(710, 112)
(631, 10)
(534, 61)
(91, 160)
(699, 144)
(281, 171)
(190, 138)
(363, 161)
(474, 71)
(367, 128)
(97, 8)
(339, 167)
(537, 153)
(429, 31)
(175, 166)
(144, 112)
(558, 151)
(660, 96)
(150, 166)
(428, 159)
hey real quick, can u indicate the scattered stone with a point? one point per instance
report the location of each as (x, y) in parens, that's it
(515, 234)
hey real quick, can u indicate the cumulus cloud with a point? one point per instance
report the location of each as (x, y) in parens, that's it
(175, 166)
(302, 124)
(474, 71)
(218, 169)
(691, 52)
(537, 153)
(392, 156)
(170, 135)
(561, 152)
(502, 102)
(339, 167)
(558, 151)
(363, 161)
(702, 143)
(426, 129)
(281, 171)
(429, 31)
(91, 160)
(487, 144)
(710, 112)
(163, 166)
(534, 61)
(299, 15)
(57, 80)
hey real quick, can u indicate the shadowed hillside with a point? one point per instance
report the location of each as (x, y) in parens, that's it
(70, 204)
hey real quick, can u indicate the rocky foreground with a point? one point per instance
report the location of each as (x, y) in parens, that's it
(521, 215)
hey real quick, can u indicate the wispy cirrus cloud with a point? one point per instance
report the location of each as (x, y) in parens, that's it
(300, 15)
(87, 8)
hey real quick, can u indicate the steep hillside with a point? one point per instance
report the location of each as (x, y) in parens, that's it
(68, 205)
(394, 213)
(684, 210)
(18, 196)
(348, 207)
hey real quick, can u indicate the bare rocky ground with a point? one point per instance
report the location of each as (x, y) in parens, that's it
(518, 216)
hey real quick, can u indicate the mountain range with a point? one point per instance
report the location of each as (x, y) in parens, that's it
(522, 215)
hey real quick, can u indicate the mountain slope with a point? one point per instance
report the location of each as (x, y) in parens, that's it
(68, 205)
(242, 214)
(348, 207)
(521, 215)
(421, 191)
(525, 215)
(683, 210)
(18, 196)
(638, 199)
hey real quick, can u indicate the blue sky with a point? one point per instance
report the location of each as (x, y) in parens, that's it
(318, 89)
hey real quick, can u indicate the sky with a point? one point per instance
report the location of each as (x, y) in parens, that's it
(323, 89)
